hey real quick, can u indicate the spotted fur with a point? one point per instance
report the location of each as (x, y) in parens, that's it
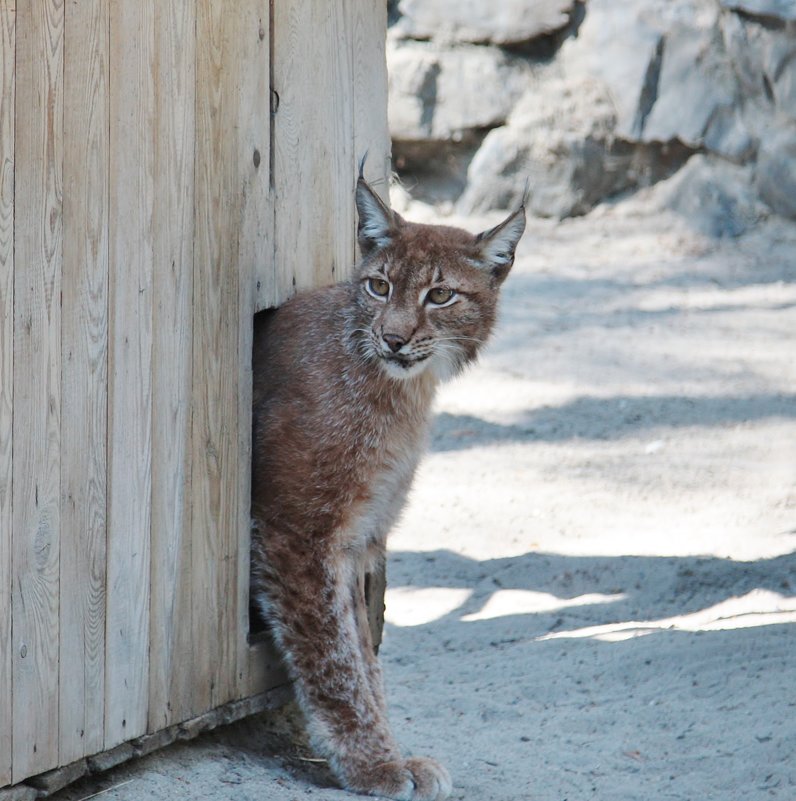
(344, 379)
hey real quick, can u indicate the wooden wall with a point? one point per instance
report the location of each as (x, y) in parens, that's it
(167, 168)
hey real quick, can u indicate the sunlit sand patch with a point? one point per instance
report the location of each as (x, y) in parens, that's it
(756, 608)
(415, 606)
(500, 398)
(527, 602)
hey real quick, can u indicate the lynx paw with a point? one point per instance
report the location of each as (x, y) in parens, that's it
(415, 779)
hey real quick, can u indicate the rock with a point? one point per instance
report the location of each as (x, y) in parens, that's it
(781, 65)
(618, 46)
(780, 9)
(715, 198)
(667, 71)
(727, 135)
(745, 47)
(479, 22)
(695, 84)
(764, 61)
(559, 138)
(431, 95)
(776, 172)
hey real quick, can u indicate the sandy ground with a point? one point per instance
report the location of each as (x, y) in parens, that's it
(593, 592)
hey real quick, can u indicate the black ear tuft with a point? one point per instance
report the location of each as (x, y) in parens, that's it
(377, 222)
(499, 243)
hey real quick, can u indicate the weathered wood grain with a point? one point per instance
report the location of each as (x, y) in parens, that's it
(84, 380)
(132, 111)
(254, 258)
(7, 95)
(139, 181)
(171, 603)
(215, 506)
(256, 248)
(277, 696)
(313, 174)
(371, 131)
(37, 383)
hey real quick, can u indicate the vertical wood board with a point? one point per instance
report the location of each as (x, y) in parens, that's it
(132, 112)
(371, 131)
(37, 383)
(254, 260)
(171, 604)
(84, 354)
(7, 95)
(257, 225)
(313, 145)
(215, 358)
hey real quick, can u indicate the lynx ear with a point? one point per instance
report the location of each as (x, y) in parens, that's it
(498, 244)
(378, 224)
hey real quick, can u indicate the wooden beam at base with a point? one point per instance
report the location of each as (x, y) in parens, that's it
(52, 781)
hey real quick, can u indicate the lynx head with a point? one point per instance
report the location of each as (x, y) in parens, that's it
(427, 294)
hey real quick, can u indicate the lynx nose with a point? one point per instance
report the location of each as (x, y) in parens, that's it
(394, 341)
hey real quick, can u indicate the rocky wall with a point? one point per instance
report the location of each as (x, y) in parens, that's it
(589, 100)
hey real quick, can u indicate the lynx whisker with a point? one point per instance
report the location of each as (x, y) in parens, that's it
(461, 338)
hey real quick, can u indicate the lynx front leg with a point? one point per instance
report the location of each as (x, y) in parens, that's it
(314, 605)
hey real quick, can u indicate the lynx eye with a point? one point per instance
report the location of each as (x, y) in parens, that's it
(439, 296)
(378, 287)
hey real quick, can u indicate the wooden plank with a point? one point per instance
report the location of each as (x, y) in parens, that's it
(7, 87)
(132, 110)
(37, 384)
(215, 461)
(84, 351)
(313, 176)
(372, 136)
(371, 131)
(171, 609)
(256, 247)
(256, 275)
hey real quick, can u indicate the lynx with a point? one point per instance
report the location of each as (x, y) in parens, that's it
(344, 378)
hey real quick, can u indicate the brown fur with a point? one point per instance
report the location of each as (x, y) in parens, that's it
(339, 426)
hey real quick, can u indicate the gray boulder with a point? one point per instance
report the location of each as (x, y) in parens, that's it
(781, 68)
(616, 45)
(695, 85)
(746, 44)
(667, 72)
(480, 22)
(763, 60)
(716, 198)
(776, 172)
(431, 96)
(559, 138)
